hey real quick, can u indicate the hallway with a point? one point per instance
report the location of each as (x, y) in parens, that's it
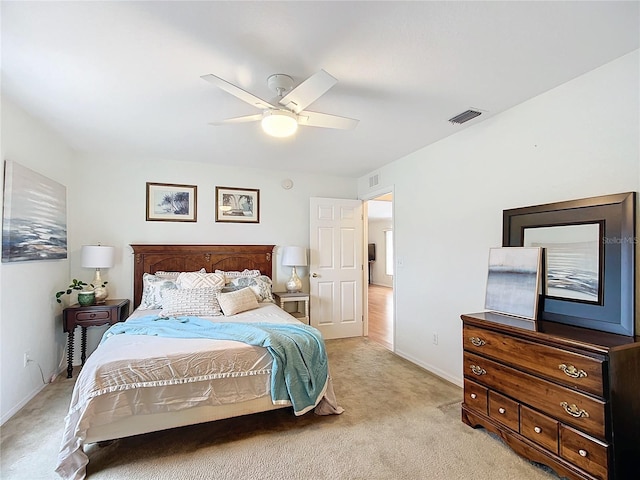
(381, 315)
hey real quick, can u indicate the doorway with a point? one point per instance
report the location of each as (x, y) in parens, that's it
(380, 310)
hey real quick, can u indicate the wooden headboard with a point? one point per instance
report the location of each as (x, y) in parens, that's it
(189, 258)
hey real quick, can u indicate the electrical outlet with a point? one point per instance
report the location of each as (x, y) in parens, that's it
(27, 357)
(435, 338)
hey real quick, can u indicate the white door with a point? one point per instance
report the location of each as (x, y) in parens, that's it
(336, 267)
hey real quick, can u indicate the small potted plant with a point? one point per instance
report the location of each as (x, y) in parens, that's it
(85, 297)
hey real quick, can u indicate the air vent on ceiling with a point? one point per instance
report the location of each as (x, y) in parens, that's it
(465, 116)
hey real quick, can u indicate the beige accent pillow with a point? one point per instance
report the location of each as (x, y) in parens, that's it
(193, 301)
(238, 301)
(188, 280)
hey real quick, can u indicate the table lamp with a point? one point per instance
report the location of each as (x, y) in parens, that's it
(294, 257)
(98, 256)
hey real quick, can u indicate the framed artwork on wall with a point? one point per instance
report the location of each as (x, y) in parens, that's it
(588, 261)
(237, 205)
(170, 202)
(34, 220)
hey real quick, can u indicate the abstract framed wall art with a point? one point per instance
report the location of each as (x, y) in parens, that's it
(34, 216)
(589, 259)
(237, 205)
(513, 281)
(170, 202)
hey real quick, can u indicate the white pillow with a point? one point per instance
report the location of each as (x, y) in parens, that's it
(188, 280)
(246, 273)
(173, 275)
(194, 301)
(238, 301)
(153, 290)
(261, 286)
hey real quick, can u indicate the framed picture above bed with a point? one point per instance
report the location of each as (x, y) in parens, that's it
(588, 262)
(170, 202)
(237, 205)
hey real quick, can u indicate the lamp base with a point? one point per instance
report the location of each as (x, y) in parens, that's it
(101, 294)
(99, 288)
(294, 284)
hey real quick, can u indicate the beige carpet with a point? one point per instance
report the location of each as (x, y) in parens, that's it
(400, 422)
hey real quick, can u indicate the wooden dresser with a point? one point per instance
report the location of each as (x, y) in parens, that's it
(563, 396)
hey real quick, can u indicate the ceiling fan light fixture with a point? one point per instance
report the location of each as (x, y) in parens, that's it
(279, 123)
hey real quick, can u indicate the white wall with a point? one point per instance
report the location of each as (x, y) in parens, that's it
(30, 318)
(578, 140)
(107, 205)
(106, 199)
(376, 231)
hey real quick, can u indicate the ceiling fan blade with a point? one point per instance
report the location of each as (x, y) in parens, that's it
(315, 119)
(243, 119)
(308, 91)
(236, 91)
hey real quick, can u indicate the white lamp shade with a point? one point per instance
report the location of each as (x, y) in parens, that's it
(294, 257)
(97, 256)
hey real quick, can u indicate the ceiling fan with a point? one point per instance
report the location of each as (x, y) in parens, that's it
(281, 116)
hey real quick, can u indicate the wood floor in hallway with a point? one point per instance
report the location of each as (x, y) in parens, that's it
(381, 315)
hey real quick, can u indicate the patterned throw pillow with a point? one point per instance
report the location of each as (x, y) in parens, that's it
(261, 286)
(153, 290)
(238, 301)
(188, 280)
(173, 275)
(193, 301)
(246, 273)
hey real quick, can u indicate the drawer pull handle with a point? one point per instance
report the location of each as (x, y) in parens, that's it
(478, 342)
(574, 411)
(537, 429)
(583, 453)
(501, 411)
(478, 370)
(572, 371)
(473, 396)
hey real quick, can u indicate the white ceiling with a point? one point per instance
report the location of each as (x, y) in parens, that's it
(123, 78)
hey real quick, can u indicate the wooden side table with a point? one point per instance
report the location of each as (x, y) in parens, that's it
(301, 314)
(110, 312)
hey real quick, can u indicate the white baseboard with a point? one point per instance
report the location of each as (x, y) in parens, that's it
(16, 408)
(22, 403)
(436, 371)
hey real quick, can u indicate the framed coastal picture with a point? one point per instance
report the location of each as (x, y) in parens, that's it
(589, 258)
(34, 216)
(170, 202)
(573, 268)
(237, 205)
(513, 281)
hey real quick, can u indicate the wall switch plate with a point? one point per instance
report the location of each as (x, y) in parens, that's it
(435, 338)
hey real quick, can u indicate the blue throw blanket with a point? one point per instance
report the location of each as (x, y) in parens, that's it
(300, 366)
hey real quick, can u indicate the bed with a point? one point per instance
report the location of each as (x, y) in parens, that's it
(139, 380)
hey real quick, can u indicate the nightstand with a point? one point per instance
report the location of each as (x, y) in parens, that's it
(110, 312)
(301, 312)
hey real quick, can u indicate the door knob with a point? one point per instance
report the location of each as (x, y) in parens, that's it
(315, 275)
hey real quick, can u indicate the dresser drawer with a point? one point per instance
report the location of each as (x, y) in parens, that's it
(539, 428)
(97, 315)
(587, 453)
(568, 368)
(504, 410)
(475, 396)
(561, 403)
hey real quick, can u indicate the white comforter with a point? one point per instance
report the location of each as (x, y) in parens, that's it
(138, 374)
